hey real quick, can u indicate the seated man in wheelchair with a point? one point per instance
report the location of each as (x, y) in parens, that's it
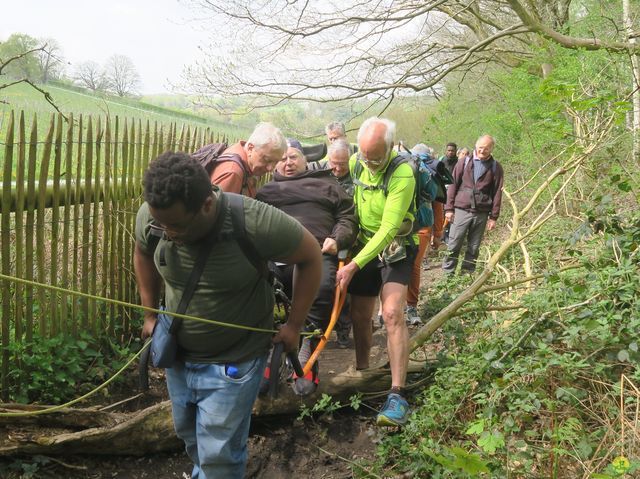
(318, 201)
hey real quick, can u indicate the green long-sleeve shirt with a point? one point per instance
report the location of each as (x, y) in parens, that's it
(380, 216)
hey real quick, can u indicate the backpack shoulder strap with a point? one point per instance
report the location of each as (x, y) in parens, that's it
(237, 160)
(357, 171)
(155, 234)
(393, 166)
(236, 203)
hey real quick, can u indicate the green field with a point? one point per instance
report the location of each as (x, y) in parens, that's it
(24, 98)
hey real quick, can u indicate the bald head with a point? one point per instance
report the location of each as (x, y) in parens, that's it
(484, 147)
(375, 140)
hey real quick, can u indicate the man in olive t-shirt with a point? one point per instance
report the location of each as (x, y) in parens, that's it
(212, 401)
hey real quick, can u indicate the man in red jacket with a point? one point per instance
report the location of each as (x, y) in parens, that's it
(473, 204)
(251, 159)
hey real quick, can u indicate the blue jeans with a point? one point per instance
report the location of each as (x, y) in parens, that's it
(212, 412)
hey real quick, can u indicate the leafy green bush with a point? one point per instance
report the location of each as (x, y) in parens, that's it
(538, 395)
(58, 369)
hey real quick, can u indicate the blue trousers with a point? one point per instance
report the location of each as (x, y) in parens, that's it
(212, 413)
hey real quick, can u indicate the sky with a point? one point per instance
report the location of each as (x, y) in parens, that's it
(158, 35)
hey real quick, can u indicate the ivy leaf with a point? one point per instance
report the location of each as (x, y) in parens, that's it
(490, 441)
(489, 355)
(476, 427)
(624, 186)
(440, 459)
(469, 462)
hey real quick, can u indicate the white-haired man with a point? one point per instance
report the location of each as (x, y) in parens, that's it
(473, 204)
(385, 220)
(238, 166)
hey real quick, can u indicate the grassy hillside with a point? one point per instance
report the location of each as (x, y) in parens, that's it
(76, 101)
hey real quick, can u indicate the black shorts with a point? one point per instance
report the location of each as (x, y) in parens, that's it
(369, 280)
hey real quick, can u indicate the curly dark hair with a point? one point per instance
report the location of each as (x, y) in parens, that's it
(175, 176)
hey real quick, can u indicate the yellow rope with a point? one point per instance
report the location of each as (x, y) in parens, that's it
(135, 356)
(131, 305)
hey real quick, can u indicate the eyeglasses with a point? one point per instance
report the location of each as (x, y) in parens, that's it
(371, 161)
(175, 229)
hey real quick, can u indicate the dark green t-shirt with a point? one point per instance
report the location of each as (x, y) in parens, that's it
(230, 289)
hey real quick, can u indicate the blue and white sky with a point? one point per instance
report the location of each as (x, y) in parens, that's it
(156, 34)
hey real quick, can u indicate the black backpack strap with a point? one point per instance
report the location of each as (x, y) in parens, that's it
(206, 245)
(155, 235)
(236, 203)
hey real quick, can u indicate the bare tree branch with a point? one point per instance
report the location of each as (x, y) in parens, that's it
(5, 63)
(46, 94)
(565, 40)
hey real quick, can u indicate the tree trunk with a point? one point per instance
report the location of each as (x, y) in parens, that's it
(635, 68)
(88, 431)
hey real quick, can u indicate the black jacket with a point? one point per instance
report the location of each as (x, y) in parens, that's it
(318, 201)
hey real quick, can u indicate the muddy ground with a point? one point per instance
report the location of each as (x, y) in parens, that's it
(327, 446)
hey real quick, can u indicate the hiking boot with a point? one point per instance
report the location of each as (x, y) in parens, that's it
(395, 411)
(343, 339)
(413, 318)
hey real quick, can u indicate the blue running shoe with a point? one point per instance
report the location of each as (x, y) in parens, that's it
(395, 411)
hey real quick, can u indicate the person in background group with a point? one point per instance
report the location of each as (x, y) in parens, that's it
(314, 198)
(473, 204)
(248, 160)
(335, 130)
(424, 240)
(463, 153)
(337, 161)
(450, 157)
(211, 401)
(385, 220)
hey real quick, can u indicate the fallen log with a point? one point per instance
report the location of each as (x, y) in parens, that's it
(151, 430)
(146, 431)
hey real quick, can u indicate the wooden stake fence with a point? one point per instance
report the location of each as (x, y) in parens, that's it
(68, 207)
